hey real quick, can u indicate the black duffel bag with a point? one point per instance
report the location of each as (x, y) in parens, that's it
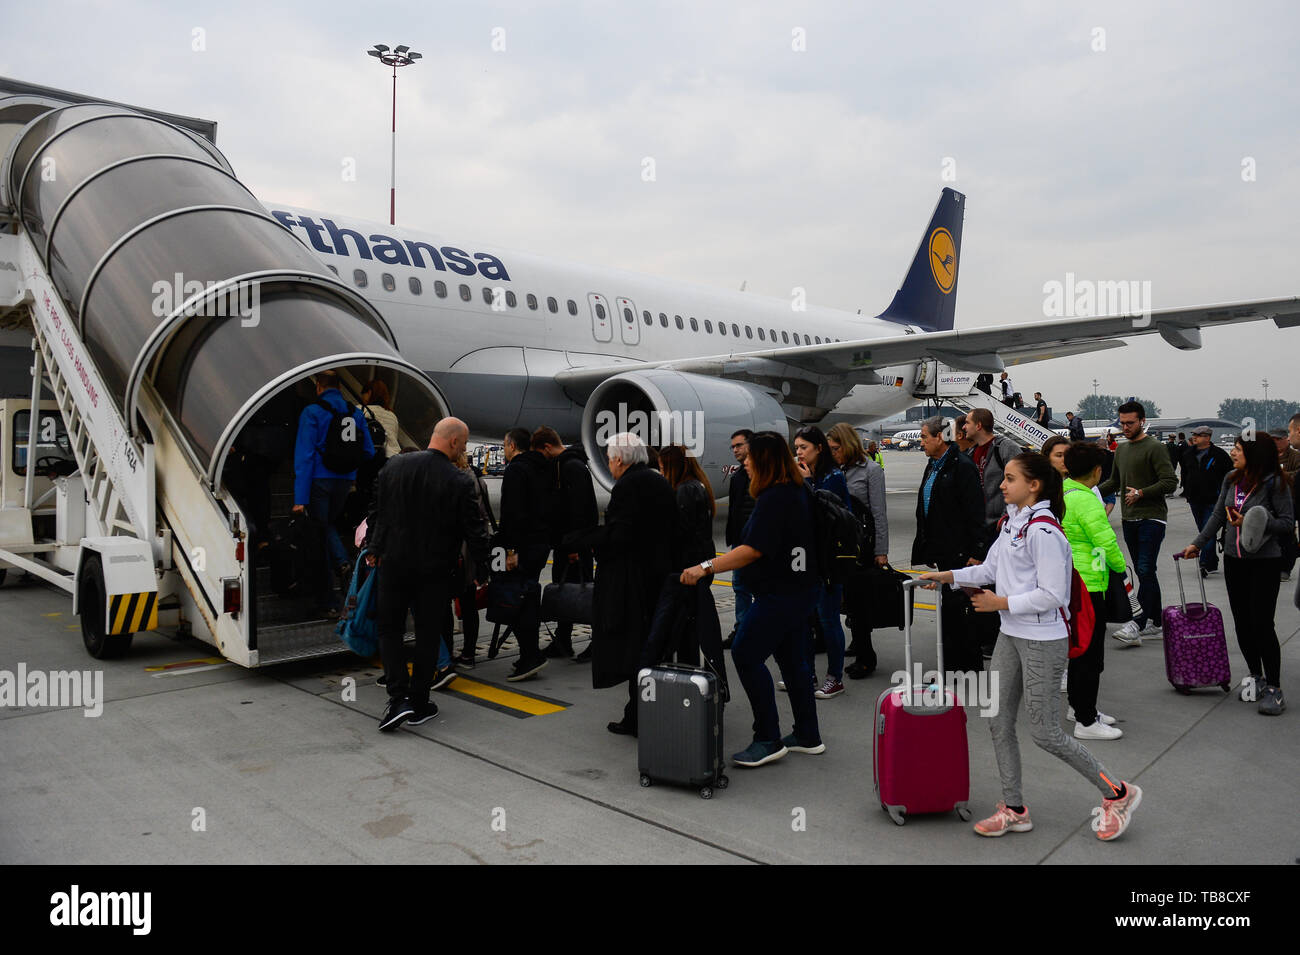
(874, 595)
(1118, 608)
(569, 601)
(506, 595)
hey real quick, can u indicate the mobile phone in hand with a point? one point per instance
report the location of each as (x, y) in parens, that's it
(972, 591)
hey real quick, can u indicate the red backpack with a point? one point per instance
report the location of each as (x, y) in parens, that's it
(1082, 617)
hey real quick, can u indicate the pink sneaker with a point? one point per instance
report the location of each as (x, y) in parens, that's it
(1004, 821)
(1110, 819)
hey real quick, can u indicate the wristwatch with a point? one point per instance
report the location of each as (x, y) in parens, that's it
(707, 566)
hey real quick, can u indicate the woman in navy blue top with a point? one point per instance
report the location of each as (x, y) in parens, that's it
(776, 559)
(817, 465)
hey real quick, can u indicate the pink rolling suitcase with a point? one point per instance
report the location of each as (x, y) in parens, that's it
(1196, 650)
(919, 757)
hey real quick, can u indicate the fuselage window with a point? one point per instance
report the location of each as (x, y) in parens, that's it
(465, 294)
(390, 283)
(663, 319)
(734, 330)
(678, 320)
(817, 339)
(440, 288)
(510, 299)
(695, 326)
(600, 311)
(807, 340)
(761, 336)
(722, 329)
(772, 332)
(415, 286)
(552, 304)
(785, 338)
(532, 301)
(573, 307)
(749, 332)
(628, 316)
(487, 295)
(649, 319)
(708, 326)
(359, 276)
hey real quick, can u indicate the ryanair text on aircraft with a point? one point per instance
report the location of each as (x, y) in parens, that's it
(386, 249)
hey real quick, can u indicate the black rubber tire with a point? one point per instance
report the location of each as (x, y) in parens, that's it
(645, 781)
(706, 793)
(723, 781)
(1185, 691)
(92, 600)
(1226, 687)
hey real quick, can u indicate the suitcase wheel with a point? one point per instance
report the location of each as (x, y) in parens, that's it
(963, 813)
(1185, 691)
(894, 814)
(645, 781)
(706, 792)
(723, 781)
(1226, 687)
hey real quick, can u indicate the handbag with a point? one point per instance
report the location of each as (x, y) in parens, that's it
(506, 594)
(357, 626)
(569, 601)
(1117, 606)
(480, 599)
(875, 596)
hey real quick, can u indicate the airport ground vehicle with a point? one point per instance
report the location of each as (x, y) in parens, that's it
(173, 322)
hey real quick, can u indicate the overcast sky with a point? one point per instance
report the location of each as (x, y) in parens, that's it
(1147, 142)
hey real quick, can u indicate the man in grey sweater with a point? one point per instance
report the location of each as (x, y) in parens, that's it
(1143, 474)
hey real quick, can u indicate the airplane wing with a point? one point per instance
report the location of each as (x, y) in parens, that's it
(989, 349)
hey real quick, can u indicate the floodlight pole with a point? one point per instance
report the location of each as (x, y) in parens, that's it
(398, 56)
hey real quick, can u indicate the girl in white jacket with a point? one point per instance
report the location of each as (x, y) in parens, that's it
(1031, 565)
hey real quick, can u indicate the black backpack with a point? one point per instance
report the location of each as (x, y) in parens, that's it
(839, 537)
(863, 513)
(378, 433)
(341, 454)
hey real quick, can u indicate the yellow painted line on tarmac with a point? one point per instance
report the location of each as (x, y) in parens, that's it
(185, 664)
(57, 613)
(508, 699)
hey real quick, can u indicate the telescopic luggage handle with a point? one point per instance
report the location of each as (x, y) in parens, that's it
(909, 601)
(1182, 597)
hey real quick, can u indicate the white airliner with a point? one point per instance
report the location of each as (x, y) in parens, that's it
(517, 339)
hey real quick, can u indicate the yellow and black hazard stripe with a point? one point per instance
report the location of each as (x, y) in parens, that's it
(131, 613)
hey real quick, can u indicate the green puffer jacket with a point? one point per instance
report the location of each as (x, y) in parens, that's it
(1087, 528)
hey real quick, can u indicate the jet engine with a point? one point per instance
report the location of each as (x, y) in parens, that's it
(664, 407)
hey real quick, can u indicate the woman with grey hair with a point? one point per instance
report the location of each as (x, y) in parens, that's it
(633, 551)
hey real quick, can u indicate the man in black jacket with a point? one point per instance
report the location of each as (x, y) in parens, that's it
(423, 511)
(950, 533)
(575, 513)
(1204, 468)
(739, 506)
(525, 534)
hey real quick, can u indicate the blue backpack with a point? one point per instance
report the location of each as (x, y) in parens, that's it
(358, 625)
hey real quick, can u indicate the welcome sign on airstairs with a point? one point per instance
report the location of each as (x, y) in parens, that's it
(957, 388)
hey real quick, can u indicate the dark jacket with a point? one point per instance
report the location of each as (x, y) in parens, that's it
(739, 506)
(575, 495)
(424, 508)
(1076, 429)
(1274, 495)
(527, 493)
(633, 556)
(953, 530)
(1203, 480)
(693, 537)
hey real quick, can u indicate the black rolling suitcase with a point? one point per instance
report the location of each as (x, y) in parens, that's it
(679, 727)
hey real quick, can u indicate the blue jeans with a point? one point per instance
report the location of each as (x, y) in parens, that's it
(325, 506)
(778, 627)
(828, 615)
(1143, 539)
(1201, 514)
(743, 600)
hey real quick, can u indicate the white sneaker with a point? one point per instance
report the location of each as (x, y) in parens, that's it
(1097, 730)
(780, 685)
(1151, 630)
(1249, 690)
(1101, 717)
(1129, 635)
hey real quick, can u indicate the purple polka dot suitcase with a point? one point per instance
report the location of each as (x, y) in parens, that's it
(1196, 650)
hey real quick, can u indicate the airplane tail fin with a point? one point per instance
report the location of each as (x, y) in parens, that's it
(928, 295)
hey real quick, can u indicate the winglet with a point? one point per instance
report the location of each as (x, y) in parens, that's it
(928, 296)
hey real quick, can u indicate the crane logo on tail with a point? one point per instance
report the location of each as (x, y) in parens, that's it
(943, 260)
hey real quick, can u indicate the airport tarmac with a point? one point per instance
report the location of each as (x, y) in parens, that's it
(194, 760)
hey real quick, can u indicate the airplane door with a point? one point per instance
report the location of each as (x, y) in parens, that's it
(602, 325)
(627, 323)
